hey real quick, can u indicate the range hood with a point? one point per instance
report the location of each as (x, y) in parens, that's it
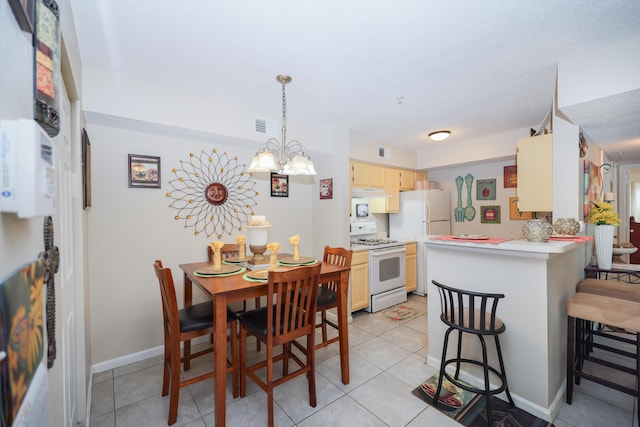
(360, 192)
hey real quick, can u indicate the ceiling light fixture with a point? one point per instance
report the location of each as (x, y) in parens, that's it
(439, 135)
(281, 156)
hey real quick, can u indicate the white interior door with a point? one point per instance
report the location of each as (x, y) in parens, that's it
(64, 367)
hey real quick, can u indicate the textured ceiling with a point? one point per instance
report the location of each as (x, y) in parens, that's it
(390, 70)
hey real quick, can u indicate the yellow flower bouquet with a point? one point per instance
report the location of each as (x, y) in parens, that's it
(603, 213)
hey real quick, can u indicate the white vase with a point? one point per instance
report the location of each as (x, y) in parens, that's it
(604, 245)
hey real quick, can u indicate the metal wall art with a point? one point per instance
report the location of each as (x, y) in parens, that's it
(212, 193)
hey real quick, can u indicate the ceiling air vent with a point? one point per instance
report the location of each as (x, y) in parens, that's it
(265, 127)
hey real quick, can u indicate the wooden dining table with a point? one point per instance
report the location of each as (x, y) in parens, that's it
(226, 289)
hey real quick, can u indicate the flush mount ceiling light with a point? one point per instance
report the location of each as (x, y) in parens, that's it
(439, 135)
(281, 156)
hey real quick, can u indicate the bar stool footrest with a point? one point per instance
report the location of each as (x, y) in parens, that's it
(471, 388)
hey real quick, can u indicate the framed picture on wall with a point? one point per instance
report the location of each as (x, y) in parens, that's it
(144, 171)
(486, 189)
(511, 176)
(515, 213)
(86, 170)
(24, 11)
(490, 214)
(326, 188)
(279, 185)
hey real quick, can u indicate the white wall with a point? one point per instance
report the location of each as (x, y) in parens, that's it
(368, 152)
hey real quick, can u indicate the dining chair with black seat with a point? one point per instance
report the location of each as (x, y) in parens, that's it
(288, 315)
(473, 313)
(328, 292)
(181, 326)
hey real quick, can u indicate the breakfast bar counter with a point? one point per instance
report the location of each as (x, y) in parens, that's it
(537, 279)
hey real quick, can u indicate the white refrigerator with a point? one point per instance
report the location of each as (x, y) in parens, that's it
(422, 212)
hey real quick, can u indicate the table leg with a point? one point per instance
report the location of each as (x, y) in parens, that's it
(343, 325)
(220, 353)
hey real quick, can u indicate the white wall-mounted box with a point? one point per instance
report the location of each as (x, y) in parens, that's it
(27, 172)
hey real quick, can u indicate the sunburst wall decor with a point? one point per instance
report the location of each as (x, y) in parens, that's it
(212, 193)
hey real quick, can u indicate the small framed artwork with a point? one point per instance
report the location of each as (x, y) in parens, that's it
(490, 214)
(86, 170)
(511, 176)
(362, 210)
(514, 212)
(144, 171)
(24, 11)
(279, 185)
(326, 188)
(486, 189)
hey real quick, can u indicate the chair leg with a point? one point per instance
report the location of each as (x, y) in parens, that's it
(503, 372)
(442, 364)
(311, 363)
(570, 357)
(166, 371)
(234, 355)
(487, 394)
(323, 315)
(580, 348)
(638, 376)
(174, 393)
(186, 355)
(458, 354)
(270, 383)
(243, 362)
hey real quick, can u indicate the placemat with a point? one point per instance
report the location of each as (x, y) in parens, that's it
(490, 240)
(239, 270)
(577, 239)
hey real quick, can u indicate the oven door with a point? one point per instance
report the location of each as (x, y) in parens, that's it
(387, 269)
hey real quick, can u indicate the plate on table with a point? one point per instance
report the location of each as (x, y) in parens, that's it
(258, 274)
(451, 401)
(303, 260)
(224, 269)
(564, 236)
(471, 237)
(233, 260)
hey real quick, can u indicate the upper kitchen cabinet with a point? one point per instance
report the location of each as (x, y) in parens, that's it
(407, 180)
(391, 202)
(535, 173)
(365, 175)
(421, 176)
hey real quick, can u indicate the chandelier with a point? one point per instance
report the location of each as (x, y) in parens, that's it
(281, 156)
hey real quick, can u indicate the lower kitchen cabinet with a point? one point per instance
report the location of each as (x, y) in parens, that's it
(359, 280)
(412, 267)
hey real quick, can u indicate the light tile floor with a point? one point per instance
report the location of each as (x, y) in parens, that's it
(387, 363)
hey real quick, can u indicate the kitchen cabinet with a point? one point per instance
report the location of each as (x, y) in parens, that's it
(421, 176)
(535, 174)
(412, 267)
(407, 180)
(365, 175)
(390, 204)
(359, 280)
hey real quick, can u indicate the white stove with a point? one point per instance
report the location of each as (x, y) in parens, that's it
(387, 266)
(365, 233)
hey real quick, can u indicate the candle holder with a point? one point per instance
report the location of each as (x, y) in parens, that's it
(257, 237)
(258, 254)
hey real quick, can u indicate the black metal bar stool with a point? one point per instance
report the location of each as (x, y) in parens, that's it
(474, 313)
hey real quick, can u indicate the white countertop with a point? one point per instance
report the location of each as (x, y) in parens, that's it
(520, 247)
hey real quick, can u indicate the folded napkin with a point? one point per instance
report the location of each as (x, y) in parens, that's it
(295, 240)
(273, 248)
(490, 240)
(577, 239)
(217, 257)
(241, 247)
